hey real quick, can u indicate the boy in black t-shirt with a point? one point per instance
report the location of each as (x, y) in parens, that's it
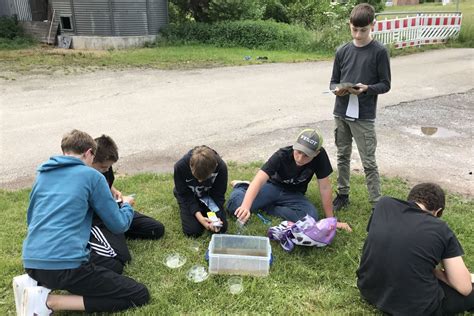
(280, 185)
(108, 249)
(406, 242)
(200, 179)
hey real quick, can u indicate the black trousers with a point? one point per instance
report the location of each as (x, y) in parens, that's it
(111, 251)
(454, 302)
(191, 226)
(103, 290)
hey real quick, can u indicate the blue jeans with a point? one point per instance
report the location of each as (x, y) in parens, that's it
(275, 201)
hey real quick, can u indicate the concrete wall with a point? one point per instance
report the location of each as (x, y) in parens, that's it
(108, 42)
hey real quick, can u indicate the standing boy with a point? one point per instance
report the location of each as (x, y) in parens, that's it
(200, 179)
(108, 249)
(360, 73)
(399, 269)
(64, 197)
(279, 187)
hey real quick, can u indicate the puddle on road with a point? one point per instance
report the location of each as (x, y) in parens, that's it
(431, 131)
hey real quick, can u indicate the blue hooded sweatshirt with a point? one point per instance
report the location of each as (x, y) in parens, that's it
(64, 197)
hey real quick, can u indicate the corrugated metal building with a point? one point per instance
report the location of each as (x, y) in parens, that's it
(20, 8)
(110, 17)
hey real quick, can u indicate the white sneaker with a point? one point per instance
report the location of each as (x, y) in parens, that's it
(34, 301)
(19, 284)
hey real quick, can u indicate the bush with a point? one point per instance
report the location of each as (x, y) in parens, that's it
(210, 11)
(318, 14)
(250, 34)
(231, 10)
(276, 11)
(330, 37)
(9, 28)
(379, 5)
(16, 43)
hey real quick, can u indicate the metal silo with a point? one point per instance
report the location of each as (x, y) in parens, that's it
(111, 17)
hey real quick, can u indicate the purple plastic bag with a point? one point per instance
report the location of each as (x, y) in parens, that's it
(305, 232)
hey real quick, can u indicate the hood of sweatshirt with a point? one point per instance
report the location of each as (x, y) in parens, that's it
(59, 162)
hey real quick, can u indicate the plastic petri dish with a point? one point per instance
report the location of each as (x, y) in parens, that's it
(174, 260)
(235, 285)
(197, 274)
(194, 246)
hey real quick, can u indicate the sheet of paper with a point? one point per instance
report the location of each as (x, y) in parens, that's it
(353, 106)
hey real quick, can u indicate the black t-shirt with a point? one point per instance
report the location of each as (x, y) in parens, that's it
(283, 171)
(189, 189)
(109, 176)
(403, 246)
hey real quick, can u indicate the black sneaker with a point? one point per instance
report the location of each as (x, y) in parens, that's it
(341, 201)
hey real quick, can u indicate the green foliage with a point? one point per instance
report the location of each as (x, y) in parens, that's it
(9, 28)
(307, 281)
(379, 5)
(12, 35)
(275, 10)
(16, 43)
(316, 14)
(250, 34)
(328, 38)
(176, 15)
(231, 10)
(210, 11)
(310, 14)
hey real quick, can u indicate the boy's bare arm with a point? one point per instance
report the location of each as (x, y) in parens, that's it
(243, 211)
(456, 275)
(325, 190)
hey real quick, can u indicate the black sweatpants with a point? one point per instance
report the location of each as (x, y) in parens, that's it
(454, 302)
(111, 251)
(191, 226)
(103, 290)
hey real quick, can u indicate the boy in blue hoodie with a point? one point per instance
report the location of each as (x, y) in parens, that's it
(64, 197)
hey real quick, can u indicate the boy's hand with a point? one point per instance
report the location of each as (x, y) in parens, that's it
(340, 92)
(116, 193)
(344, 226)
(243, 214)
(207, 223)
(358, 89)
(128, 199)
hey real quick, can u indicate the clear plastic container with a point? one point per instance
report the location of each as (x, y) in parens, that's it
(239, 255)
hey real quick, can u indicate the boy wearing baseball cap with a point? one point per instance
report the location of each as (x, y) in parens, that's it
(279, 187)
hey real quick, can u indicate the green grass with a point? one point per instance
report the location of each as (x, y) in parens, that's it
(44, 59)
(308, 281)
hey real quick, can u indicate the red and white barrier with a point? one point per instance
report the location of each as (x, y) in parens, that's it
(418, 30)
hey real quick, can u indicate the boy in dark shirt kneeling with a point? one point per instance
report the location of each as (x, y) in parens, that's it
(280, 185)
(200, 179)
